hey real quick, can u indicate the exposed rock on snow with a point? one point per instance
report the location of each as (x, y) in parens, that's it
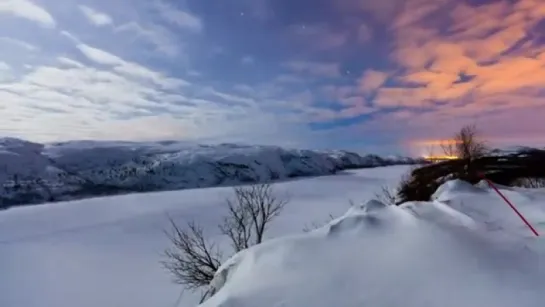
(34, 173)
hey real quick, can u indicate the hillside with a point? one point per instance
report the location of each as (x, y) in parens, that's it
(35, 173)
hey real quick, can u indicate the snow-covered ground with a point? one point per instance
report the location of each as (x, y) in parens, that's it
(36, 173)
(465, 248)
(106, 251)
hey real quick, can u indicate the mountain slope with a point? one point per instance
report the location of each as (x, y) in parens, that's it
(34, 173)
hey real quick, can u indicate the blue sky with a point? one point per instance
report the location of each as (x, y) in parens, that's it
(383, 76)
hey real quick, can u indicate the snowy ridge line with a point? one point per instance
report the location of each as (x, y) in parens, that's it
(435, 253)
(32, 173)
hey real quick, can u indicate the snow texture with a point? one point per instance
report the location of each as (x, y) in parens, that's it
(440, 253)
(106, 251)
(464, 248)
(35, 173)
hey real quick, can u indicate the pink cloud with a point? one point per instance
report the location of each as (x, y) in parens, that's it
(365, 33)
(372, 80)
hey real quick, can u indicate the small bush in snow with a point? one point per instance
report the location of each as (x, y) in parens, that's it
(193, 260)
(530, 183)
(387, 196)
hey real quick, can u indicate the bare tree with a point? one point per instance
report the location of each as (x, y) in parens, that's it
(193, 260)
(466, 144)
(250, 213)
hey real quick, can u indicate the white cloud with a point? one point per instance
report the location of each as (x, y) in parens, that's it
(5, 71)
(70, 36)
(69, 62)
(129, 69)
(154, 34)
(62, 103)
(97, 18)
(99, 56)
(28, 10)
(178, 17)
(18, 43)
(4, 66)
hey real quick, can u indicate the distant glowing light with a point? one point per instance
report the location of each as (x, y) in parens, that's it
(440, 157)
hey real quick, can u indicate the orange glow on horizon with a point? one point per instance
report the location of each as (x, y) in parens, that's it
(440, 157)
(435, 142)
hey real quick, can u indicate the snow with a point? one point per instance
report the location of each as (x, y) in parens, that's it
(36, 173)
(106, 251)
(438, 253)
(464, 248)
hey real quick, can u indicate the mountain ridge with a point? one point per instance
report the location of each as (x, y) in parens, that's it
(32, 173)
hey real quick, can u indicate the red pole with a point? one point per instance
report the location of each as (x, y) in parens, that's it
(510, 205)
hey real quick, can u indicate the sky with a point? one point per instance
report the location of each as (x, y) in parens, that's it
(388, 76)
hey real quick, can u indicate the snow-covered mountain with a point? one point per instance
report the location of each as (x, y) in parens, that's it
(35, 173)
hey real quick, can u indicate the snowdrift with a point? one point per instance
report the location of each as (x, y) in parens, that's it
(34, 173)
(440, 253)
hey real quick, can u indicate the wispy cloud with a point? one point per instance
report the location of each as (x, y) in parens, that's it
(372, 80)
(318, 69)
(248, 60)
(160, 38)
(69, 62)
(128, 68)
(97, 18)
(177, 17)
(18, 43)
(28, 10)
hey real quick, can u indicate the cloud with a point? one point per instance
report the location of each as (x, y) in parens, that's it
(69, 62)
(319, 37)
(316, 69)
(18, 43)
(247, 60)
(372, 80)
(105, 105)
(365, 33)
(158, 36)
(27, 10)
(5, 71)
(177, 17)
(129, 69)
(481, 64)
(97, 18)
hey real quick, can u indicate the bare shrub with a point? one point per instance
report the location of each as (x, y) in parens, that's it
(530, 183)
(250, 213)
(192, 260)
(387, 196)
(316, 225)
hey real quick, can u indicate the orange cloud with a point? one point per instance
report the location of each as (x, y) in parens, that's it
(480, 43)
